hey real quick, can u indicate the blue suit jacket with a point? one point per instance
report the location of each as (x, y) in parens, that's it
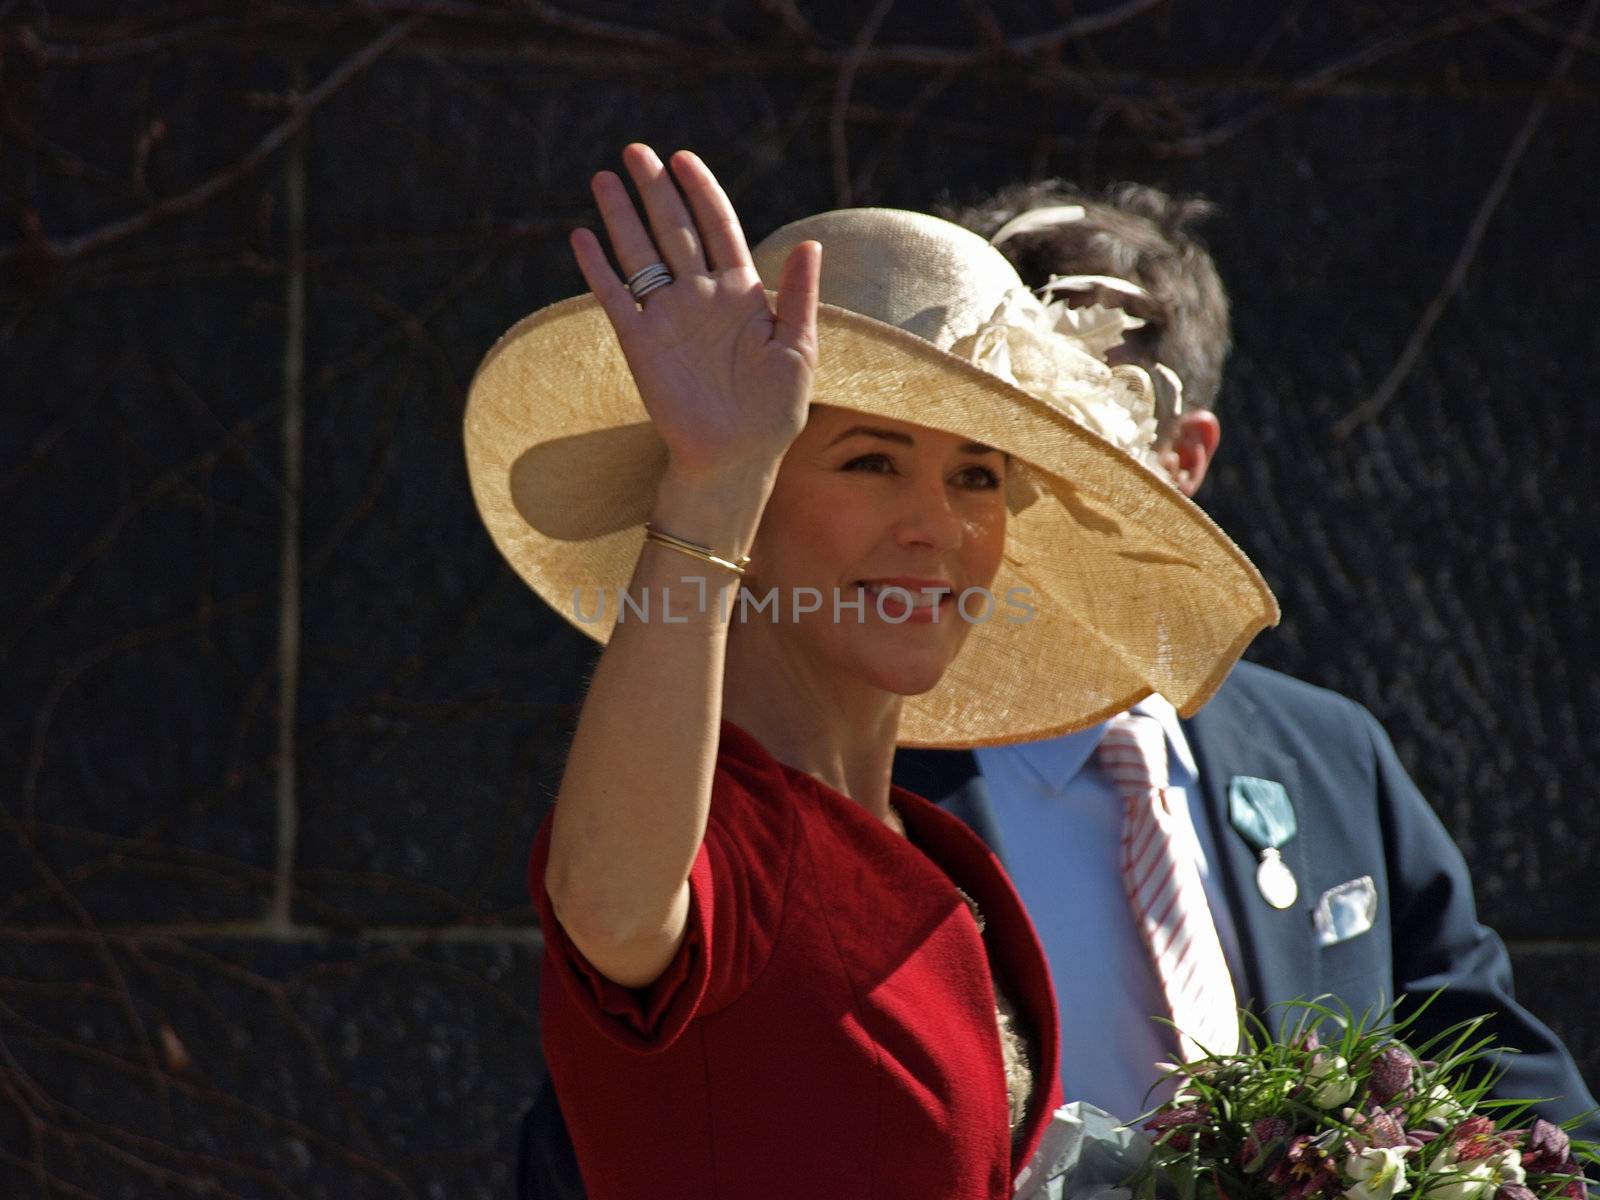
(1358, 814)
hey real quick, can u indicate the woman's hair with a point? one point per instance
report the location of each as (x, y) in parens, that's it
(1140, 234)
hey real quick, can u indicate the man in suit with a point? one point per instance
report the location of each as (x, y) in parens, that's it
(1325, 871)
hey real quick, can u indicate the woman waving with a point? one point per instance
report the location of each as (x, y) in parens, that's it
(809, 532)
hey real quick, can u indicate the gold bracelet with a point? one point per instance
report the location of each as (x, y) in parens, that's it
(703, 553)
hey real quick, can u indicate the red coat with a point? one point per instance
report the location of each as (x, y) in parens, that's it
(827, 1030)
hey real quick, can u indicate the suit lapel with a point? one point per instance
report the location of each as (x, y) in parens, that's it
(970, 803)
(951, 780)
(1275, 943)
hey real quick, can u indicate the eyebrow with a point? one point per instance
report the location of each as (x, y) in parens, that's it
(903, 439)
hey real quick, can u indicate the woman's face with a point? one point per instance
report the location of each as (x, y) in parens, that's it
(863, 504)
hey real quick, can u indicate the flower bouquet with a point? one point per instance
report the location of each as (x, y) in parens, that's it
(1360, 1117)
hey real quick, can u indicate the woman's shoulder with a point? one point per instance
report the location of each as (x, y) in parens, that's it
(746, 768)
(745, 760)
(752, 797)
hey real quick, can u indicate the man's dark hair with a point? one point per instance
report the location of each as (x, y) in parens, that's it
(1136, 233)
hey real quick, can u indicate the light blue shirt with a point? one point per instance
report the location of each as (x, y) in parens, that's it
(1060, 823)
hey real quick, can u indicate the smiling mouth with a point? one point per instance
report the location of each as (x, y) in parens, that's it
(889, 597)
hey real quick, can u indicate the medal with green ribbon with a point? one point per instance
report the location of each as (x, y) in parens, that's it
(1260, 810)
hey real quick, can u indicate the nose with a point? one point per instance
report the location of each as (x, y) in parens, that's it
(927, 520)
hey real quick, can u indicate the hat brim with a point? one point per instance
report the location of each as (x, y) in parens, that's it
(1132, 589)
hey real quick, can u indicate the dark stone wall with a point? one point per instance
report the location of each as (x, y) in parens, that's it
(286, 950)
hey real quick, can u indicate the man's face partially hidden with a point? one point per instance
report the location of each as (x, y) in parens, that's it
(1187, 454)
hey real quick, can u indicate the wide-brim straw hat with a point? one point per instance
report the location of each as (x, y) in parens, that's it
(1133, 589)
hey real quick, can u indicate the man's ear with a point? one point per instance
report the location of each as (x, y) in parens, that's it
(1194, 442)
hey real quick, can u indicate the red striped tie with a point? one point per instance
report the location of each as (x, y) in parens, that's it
(1161, 875)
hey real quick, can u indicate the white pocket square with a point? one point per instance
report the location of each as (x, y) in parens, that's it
(1345, 911)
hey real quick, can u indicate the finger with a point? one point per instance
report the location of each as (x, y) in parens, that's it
(630, 242)
(669, 220)
(720, 231)
(612, 293)
(798, 285)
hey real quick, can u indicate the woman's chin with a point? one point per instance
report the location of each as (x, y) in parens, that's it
(914, 666)
(909, 677)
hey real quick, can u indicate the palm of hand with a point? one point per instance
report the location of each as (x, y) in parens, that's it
(717, 382)
(724, 374)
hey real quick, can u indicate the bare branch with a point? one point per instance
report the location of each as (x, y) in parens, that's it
(790, 17)
(1529, 19)
(610, 31)
(1099, 22)
(49, 1185)
(1390, 386)
(81, 54)
(838, 125)
(103, 952)
(1330, 73)
(208, 1096)
(810, 52)
(201, 193)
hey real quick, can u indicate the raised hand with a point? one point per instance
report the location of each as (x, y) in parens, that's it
(726, 378)
(725, 375)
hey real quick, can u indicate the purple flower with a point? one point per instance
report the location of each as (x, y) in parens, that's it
(1265, 1133)
(1382, 1129)
(1306, 1170)
(1548, 1148)
(1391, 1074)
(1174, 1119)
(1477, 1138)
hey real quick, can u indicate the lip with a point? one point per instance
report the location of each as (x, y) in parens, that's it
(922, 612)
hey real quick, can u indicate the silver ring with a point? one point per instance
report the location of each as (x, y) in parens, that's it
(647, 279)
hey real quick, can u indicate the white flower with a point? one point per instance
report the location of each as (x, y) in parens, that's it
(1054, 353)
(1098, 327)
(1475, 1183)
(1377, 1172)
(1507, 1167)
(1439, 1105)
(1478, 1180)
(1335, 1083)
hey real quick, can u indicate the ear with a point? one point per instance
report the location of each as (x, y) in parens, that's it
(1187, 456)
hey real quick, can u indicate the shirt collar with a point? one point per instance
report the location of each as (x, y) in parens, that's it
(1161, 709)
(1057, 760)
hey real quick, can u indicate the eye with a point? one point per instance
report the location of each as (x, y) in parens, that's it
(878, 464)
(977, 478)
